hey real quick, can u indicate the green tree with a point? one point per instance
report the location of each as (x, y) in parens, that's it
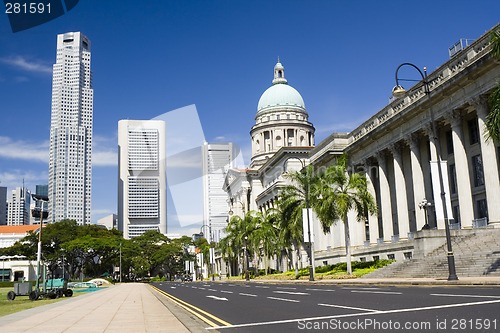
(239, 233)
(265, 236)
(336, 194)
(229, 252)
(493, 118)
(292, 200)
(145, 246)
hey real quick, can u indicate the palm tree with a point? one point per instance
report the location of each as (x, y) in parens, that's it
(293, 198)
(229, 251)
(336, 194)
(493, 118)
(239, 232)
(265, 235)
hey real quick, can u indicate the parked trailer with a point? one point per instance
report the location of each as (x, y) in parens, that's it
(53, 288)
(20, 289)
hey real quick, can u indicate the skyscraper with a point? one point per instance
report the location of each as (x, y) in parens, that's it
(3, 205)
(142, 187)
(18, 212)
(217, 160)
(70, 162)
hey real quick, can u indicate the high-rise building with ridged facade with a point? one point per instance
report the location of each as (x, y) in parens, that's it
(70, 158)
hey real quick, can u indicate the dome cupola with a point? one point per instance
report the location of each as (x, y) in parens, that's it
(281, 120)
(280, 94)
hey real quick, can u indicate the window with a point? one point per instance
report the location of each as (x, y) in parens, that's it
(456, 214)
(449, 142)
(482, 208)
(473, 131)
(477, 166)
(453, 178)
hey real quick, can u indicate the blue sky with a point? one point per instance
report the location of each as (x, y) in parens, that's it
(150, 57)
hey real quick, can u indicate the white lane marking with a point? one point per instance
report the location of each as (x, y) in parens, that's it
(201, 288)
(251, 295)
(194, 287)
(218, 298)
(318, 289)
(284, 299)
(361, 288)
(291, 288)
(346, 307)
(355, 315)
(173, 287)
(290, 292)
(478, 296)
(225, 291)
(211, 290)
(377, 292)
(265, 287)
(231, 285)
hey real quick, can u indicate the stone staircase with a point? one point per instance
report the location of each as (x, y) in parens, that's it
(477, 253)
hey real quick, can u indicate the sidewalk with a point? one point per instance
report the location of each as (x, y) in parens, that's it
(462, 281)
(128, 307)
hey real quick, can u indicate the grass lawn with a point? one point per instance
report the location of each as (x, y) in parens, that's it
(20, 302)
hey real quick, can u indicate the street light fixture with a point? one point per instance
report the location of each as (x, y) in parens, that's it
(311, 243)
(424, 204)
(398, 91)
(211, 253)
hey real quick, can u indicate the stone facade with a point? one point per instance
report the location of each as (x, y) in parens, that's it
(397, 148)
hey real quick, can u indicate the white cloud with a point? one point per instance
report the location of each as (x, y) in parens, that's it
(104, 158)
(39, 152)
(27, 65)
(15, 178)
(23, 150)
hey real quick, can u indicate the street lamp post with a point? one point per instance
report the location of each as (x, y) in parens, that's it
(398, 91)
(41, 214)
(120, 262)
(211, 253)
(311, 243)
(247, 263)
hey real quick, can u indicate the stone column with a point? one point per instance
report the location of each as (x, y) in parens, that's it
(385, 197)
(372, 219)
(488, 154)
(462, 171)
(418, 179)
(401, 197)
(436, 188)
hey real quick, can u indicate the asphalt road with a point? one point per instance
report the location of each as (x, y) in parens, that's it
(257, 307)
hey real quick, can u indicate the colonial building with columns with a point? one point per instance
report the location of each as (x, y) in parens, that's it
(435, 134)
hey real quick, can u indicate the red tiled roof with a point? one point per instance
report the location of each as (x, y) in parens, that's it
(17, 229)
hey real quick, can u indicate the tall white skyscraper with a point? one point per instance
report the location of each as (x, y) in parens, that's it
(70, 162)
(142, 186)
(18, 212)
(3, 205)
(217, 159)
